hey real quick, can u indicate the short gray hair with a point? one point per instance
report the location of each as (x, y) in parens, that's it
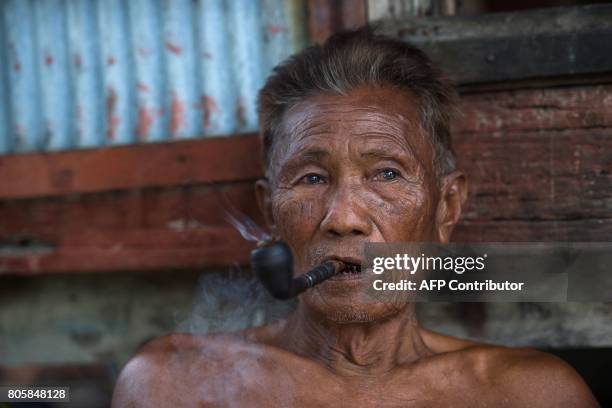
(353, 59)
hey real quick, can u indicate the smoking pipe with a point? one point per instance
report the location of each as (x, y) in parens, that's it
(273, 265)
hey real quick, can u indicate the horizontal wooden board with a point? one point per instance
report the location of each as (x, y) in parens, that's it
(126, 250)
(130, 167)
(173, 228)
(589, 230)
(537, 154)
(173, 208)
(546, 175)
(326, 17)
(565, 108)
(494, 47)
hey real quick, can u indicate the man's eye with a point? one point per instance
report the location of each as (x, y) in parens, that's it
(389, 174)
(312, 179)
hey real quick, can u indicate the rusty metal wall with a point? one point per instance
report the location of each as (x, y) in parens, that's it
(91, 73)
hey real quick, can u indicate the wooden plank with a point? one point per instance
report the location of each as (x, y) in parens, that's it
(175, 208)
(545, 175)
(130, 167)
(541, 154)
(138, 250)
(516, 45)
(495, 60)
(172, 228)
(326, 17)
(587, 230)
(579, 107)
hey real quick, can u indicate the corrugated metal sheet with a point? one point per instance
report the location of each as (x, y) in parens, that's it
(88, 73)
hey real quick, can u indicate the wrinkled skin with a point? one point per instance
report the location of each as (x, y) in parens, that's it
(353, 173)
(351, 169)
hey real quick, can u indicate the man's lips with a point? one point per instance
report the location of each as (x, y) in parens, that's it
(347, 261)
(351, 268)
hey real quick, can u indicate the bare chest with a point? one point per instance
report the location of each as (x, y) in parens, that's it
(263, 383)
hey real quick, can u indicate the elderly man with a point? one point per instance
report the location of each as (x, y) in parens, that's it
(356, 149)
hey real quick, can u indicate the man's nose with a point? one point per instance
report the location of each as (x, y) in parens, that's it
(346, 214)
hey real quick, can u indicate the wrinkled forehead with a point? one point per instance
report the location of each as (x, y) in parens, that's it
(365, 115)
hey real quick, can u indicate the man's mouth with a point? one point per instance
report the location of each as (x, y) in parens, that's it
(349, 270)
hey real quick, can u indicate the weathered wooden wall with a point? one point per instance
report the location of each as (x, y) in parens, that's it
(539, 163)
(127, 208)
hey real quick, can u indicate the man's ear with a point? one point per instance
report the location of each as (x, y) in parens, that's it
(263, 194)
(453, 193)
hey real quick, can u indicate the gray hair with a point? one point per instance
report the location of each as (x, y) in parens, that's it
(353, 59)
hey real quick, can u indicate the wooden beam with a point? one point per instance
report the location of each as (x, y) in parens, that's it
(326, 17)
(130, 167)
(154, 229)
(46, 220)
(540, 154)
(560, 108)
(585, 230)
(547, 175)
(496, 47)
(136, 250)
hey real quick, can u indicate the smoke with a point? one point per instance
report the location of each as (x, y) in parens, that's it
(249, 230)
(226, 368)
(228, 371)
(247, 227)
(229, 302)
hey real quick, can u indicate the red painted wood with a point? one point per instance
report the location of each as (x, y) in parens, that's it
(173, 228)
(132, 250)
(539, 175)
(130, 167)
(538, 154)
(173, 208)
(326, 17)
(494, 113)
(586, 230)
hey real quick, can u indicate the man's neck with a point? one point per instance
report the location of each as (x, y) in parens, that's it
(356, 349)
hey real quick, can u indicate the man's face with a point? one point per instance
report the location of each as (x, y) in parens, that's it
(352, 169)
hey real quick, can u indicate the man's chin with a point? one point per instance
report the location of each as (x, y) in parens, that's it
(351, 311)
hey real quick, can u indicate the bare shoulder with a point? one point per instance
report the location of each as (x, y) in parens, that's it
(166, 365)
(516, 376)
(140, 379)
(538, 379)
